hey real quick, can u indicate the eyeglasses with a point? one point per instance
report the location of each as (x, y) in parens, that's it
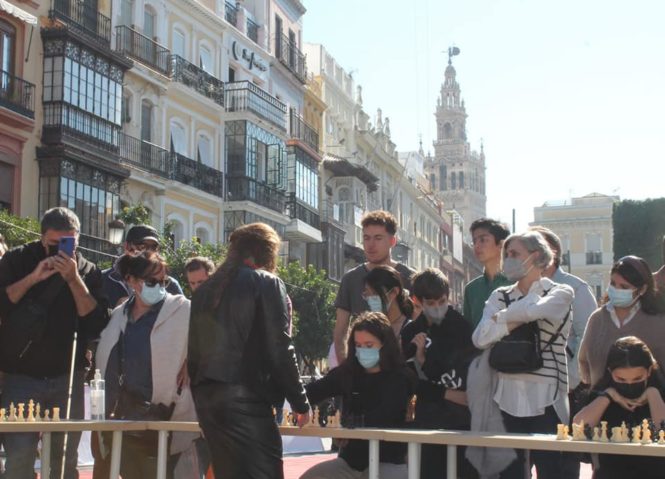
(150, 282)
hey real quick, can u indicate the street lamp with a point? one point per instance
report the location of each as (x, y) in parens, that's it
(116, 231)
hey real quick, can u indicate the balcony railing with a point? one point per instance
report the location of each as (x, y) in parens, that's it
(83, 15)
(17, 94)
(198, 175)
(197, 79)
(246, 96)
(135, 45)
(231, 13)
(298, 210)
(288, 53)
(248, 189)
(302, 131)
(252, 31)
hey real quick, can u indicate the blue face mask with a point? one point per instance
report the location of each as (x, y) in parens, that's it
(152, 294)
(368, 357)
(620, 298)
(375, 304)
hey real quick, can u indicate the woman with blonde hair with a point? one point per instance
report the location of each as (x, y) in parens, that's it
(241, 358)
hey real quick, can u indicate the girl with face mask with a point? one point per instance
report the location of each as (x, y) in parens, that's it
(375, 386)
(629, 308)
(385, 294)
(140, 354)
(630, 391)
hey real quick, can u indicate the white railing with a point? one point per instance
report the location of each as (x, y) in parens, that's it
(414, 439)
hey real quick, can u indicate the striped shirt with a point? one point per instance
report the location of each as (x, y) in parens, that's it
(548, 303)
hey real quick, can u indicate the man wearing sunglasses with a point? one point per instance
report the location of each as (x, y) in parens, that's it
(139, 238)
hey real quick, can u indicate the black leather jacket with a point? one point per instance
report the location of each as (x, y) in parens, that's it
(245, 340)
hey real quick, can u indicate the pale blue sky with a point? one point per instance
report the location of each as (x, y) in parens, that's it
(567, 95)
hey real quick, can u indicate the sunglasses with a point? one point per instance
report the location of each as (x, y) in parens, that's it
(149, 246)
(150, 282)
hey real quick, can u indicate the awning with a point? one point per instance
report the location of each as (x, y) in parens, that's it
(14, 11)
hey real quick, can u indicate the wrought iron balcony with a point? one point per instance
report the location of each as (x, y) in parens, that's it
(146, 156)
(198, 175)
(248, 189)
(300, 130)
(299, 210)
(197, 79)
(289, 55)
(83, 16)
(231, 13)
(246, 96)
(253, 31)
(17, 94)
(135, 45)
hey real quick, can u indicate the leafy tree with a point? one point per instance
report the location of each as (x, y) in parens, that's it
(313, 296)
(639, 227)
(17, 230)
(136, 215)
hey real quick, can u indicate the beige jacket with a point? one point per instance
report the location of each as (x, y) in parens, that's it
(169, 351)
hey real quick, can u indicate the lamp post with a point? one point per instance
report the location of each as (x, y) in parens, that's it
(116, 231)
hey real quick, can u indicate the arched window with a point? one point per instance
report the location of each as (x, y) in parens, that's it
(7, 46)
(149, 22)
(453, 181)
(205, 59)
(178, 45)
(204, 150)
(178, 139)
(178, 232)
(146, 120)
(443, 177)
(447, 131)
(203, 235)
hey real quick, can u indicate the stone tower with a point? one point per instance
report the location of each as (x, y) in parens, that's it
(456, 174)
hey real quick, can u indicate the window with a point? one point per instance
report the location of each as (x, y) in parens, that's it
(205, 59)
(204, 151)
(232, 75)
(6, 186)
(7, 44)
(303, 177)
(178, 44)
(278, 36)
(178, 139)
(461, 180)
(293, 46)
(126, 7)
(146, 121)
(126, 108)
(594, 253)
(261, 161)
(453, 181)
(203, 235)
(149, 24)
(443, 177)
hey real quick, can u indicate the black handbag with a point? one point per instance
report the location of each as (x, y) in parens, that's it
(131, 406)
(25, 326)
(520, 351)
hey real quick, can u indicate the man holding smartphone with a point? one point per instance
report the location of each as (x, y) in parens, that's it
(69, 288)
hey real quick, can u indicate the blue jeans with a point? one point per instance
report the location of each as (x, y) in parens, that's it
(21, 448)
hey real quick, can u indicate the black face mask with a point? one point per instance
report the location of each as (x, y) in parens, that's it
(630, 390)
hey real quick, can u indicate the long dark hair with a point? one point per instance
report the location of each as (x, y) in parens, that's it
(141, 266)
(628, 352)
(637, 272)
(384, 278)
(255, 245)
(377, 325)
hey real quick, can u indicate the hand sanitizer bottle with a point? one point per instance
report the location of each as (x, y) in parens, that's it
(97, 399)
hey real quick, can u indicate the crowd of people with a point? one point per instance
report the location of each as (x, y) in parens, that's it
(530, 349)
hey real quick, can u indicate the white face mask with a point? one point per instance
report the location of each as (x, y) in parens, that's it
(375, 304)
(514, 269)
(436, 314)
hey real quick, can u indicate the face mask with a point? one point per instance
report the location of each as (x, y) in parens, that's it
(368, 357)
(514, 269)
(630, 390)
(621, 298)
(374, 303)
(152, 294)
(436, 314)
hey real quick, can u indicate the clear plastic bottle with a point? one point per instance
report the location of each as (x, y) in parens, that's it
(97, 399)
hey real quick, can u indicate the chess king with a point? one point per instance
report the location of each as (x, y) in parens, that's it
(630, 392)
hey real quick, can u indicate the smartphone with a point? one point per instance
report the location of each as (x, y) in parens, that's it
(67, 244)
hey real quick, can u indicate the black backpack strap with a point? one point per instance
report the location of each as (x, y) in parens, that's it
(558, 331)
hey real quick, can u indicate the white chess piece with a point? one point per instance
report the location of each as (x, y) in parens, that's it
(56, 414)
(603, 431)
(661, 437)
(21, 412)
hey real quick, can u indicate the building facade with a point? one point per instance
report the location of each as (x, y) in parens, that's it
(456, 173)
(584, 225)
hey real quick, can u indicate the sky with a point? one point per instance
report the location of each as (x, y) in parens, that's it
(567, 96)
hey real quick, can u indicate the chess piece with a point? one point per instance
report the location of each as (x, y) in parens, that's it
(559, 432)
(616, 434)
(636, 435)
(38, 410)
(578, 432)
(12, 413)
(596, 434)
(338, 418)
(285, 417)
(331, 421)
(317, 416)
(661, 437)
(646, 432)
(21, 412)
(46, 414)
(56, 414)
(3, 414)
(603, 431)
(31, 411)
(624, 432)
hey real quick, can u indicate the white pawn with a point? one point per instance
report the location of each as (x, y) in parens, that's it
(46, 414)
(616, 434)
(636, 435)
(3, 414)
(38, 410)
(596, 434)
(661, 437)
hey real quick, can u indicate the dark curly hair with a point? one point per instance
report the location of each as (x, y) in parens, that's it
(377, 325)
